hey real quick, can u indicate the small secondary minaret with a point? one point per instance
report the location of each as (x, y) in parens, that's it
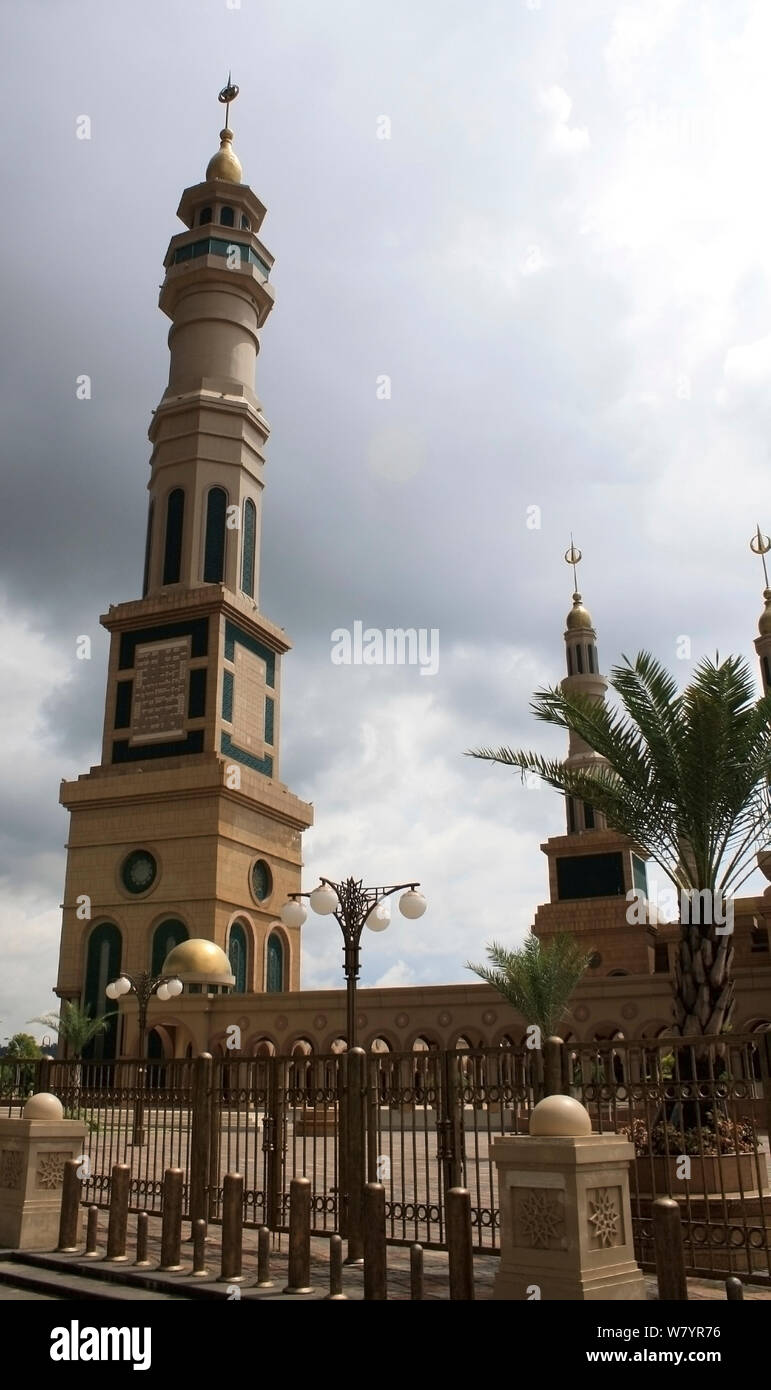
(760, 545)
(583, 678)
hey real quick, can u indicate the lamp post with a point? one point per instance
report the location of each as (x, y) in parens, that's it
(144, 985)
(354, 907)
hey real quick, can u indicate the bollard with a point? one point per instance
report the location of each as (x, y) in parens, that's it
(70, 1209)
(199, 1270)
(118, 1220)
(90, 1252)
(264, 1280)
(416, 1273)
(670, 1256)
(459, 1252)
(734, 1289)
(171, 1221)
(232, 1228)
(374, 1241)
(336, 1269)
(142, 1223)
(299, 1236)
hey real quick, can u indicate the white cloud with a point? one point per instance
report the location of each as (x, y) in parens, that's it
(563, 138)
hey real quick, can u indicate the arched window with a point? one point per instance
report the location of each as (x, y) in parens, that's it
(275, 964)
(580, 660)
(248, 545)
(767, 666)
(165, 938)
(172, 555)
(590, 654)
(103, 957)
(205, 216)
(570, 661)
(245, 223)
(214, 547)
(148, 546)
(588, 816)
(227, 217)
(237, 957)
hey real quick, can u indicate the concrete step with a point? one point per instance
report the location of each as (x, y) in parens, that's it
(66, 1283)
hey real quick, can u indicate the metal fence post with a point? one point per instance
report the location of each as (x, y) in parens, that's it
(449, 1128)
(459, 1250)
(200, 1135)
(355, 1155)
(215, 1138)
(374, 1241)
(670, 1256)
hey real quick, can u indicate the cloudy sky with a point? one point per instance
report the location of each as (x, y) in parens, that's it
(560, 257)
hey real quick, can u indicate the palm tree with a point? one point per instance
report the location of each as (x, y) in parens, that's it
(686, 777)
(538, 979)
(75, 1026)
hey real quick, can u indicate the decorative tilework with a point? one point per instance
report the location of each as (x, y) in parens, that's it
(197, 631)
(227, 696)
(239, 755)
(50, 1170)
(10, 1168)
(269, 711)
(234, 634)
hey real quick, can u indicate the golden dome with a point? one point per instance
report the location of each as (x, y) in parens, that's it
(225, 164)
(578, 617)
(764, 626)
(199, 962)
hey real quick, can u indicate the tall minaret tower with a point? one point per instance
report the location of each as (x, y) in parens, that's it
(592, 868)
(184, 830)
(583, 678)
(761, 545)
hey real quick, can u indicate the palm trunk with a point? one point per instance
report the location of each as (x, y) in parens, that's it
(703, 1005)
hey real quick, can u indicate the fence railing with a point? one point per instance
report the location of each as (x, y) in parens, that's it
(699, 1116)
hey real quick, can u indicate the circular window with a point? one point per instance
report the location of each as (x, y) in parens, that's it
(595, 960)
(262, 881)
(138, 871)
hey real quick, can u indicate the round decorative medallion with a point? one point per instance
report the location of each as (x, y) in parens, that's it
(629, 1011)
(595, 960)
(402, 1020)
(280, 1022)
(581, 1013)
(320, 1021)
(138, 871)
(261, 880)
(489, 1016)
(444, 1018)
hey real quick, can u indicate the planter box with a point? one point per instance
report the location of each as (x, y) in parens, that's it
(710, 1175)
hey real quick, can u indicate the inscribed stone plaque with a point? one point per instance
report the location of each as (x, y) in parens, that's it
(160, 687)
(249, 701)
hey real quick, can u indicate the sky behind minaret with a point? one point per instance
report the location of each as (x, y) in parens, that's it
(560, 259)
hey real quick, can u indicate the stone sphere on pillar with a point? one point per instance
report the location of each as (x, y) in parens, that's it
(44, 1106)
(560, 1117)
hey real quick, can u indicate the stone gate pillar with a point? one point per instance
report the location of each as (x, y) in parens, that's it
(34, 1148)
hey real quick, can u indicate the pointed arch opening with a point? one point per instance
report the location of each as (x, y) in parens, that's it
(172, 551)
(238, 956)
(103, 961)
(166, 936)
(274, 964)
(248, 547)
(214, 545)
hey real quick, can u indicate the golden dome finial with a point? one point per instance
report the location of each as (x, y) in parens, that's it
(760, 545)
(578, 617)
(225, 164)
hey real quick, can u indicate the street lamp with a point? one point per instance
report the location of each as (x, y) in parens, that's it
(354, 908)
(144, 985)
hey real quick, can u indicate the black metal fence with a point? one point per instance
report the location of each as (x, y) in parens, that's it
(697, 1115)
